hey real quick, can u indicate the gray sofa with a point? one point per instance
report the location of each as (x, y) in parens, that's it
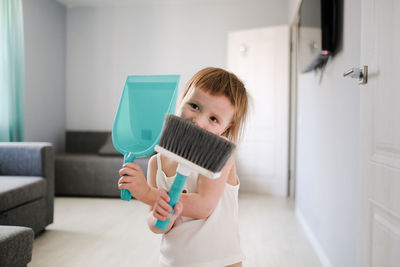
(89, 166)
(16, 243)
(27, 184)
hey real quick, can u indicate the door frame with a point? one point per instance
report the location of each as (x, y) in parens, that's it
(294, 41)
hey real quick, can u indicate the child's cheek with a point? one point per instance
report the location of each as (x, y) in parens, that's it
(179, 112)
(215, 131)
(183, 113)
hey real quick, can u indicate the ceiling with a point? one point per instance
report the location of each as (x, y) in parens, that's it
(80, 3)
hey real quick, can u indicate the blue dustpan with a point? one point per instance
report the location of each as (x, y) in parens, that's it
(137, 125)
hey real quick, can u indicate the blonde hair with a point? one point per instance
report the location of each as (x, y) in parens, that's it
(217, 81)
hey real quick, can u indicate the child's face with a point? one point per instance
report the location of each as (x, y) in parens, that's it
(210, 112)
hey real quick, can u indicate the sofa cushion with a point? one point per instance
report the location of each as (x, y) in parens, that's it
(87, 175)
(16, 245)
(108, 148)
(90, 175)
(32, 214)
(18, 190)
(84, 142)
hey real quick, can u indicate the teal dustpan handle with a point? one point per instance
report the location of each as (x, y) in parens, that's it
(174, 194)
(125, 194)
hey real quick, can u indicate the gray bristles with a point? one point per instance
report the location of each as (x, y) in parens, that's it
(195, 144)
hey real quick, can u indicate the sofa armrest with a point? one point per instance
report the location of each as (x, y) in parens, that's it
(24, 158)
(30, 159)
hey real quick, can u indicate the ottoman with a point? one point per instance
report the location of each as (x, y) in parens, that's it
(16, 245)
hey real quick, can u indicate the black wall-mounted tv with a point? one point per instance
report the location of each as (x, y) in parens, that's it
(318, 32)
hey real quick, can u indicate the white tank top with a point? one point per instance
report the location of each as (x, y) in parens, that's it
(207, 242)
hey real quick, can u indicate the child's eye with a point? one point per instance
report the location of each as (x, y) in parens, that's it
(194, 106)
(214, 119)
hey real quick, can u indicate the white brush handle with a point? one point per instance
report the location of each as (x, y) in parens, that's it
(183, 170)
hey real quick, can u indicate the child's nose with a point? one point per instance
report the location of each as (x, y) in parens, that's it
(198, 121)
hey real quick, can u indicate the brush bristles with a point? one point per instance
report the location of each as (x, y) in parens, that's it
(195, 144)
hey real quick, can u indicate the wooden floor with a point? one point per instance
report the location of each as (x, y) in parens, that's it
(110, 232)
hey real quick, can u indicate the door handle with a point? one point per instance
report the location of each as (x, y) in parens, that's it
(357, 73)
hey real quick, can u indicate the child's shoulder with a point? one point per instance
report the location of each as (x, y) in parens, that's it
(232, 176)
(163, 161)
(153, 161)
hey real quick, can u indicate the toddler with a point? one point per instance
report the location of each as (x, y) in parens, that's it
(203, 230)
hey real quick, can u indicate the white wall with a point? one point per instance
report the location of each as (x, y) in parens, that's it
(328, 150)
(105, 44)
(44, 33)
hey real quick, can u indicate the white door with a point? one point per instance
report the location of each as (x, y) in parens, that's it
(379, 235)
(260, 57)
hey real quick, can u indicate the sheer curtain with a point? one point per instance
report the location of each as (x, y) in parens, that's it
(11, 71)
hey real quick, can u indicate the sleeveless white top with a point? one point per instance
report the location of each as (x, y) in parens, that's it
(207, 242)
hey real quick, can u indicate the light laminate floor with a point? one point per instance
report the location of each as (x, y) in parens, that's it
(105, 232)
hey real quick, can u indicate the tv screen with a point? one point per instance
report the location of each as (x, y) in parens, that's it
(318, 32)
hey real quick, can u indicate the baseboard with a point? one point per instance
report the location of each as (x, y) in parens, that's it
(313, 240)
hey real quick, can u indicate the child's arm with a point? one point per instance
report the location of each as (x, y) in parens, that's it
(197, 205)
(201, 204)
(136, 183)
(151, 220)
(147, 192)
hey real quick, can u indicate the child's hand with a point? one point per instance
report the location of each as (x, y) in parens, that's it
(162, 210)
(134, 181)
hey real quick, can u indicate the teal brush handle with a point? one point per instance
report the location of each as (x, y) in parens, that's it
(174, 194)
(125, 194)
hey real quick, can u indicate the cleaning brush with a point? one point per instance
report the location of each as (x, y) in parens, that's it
(195, 150)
